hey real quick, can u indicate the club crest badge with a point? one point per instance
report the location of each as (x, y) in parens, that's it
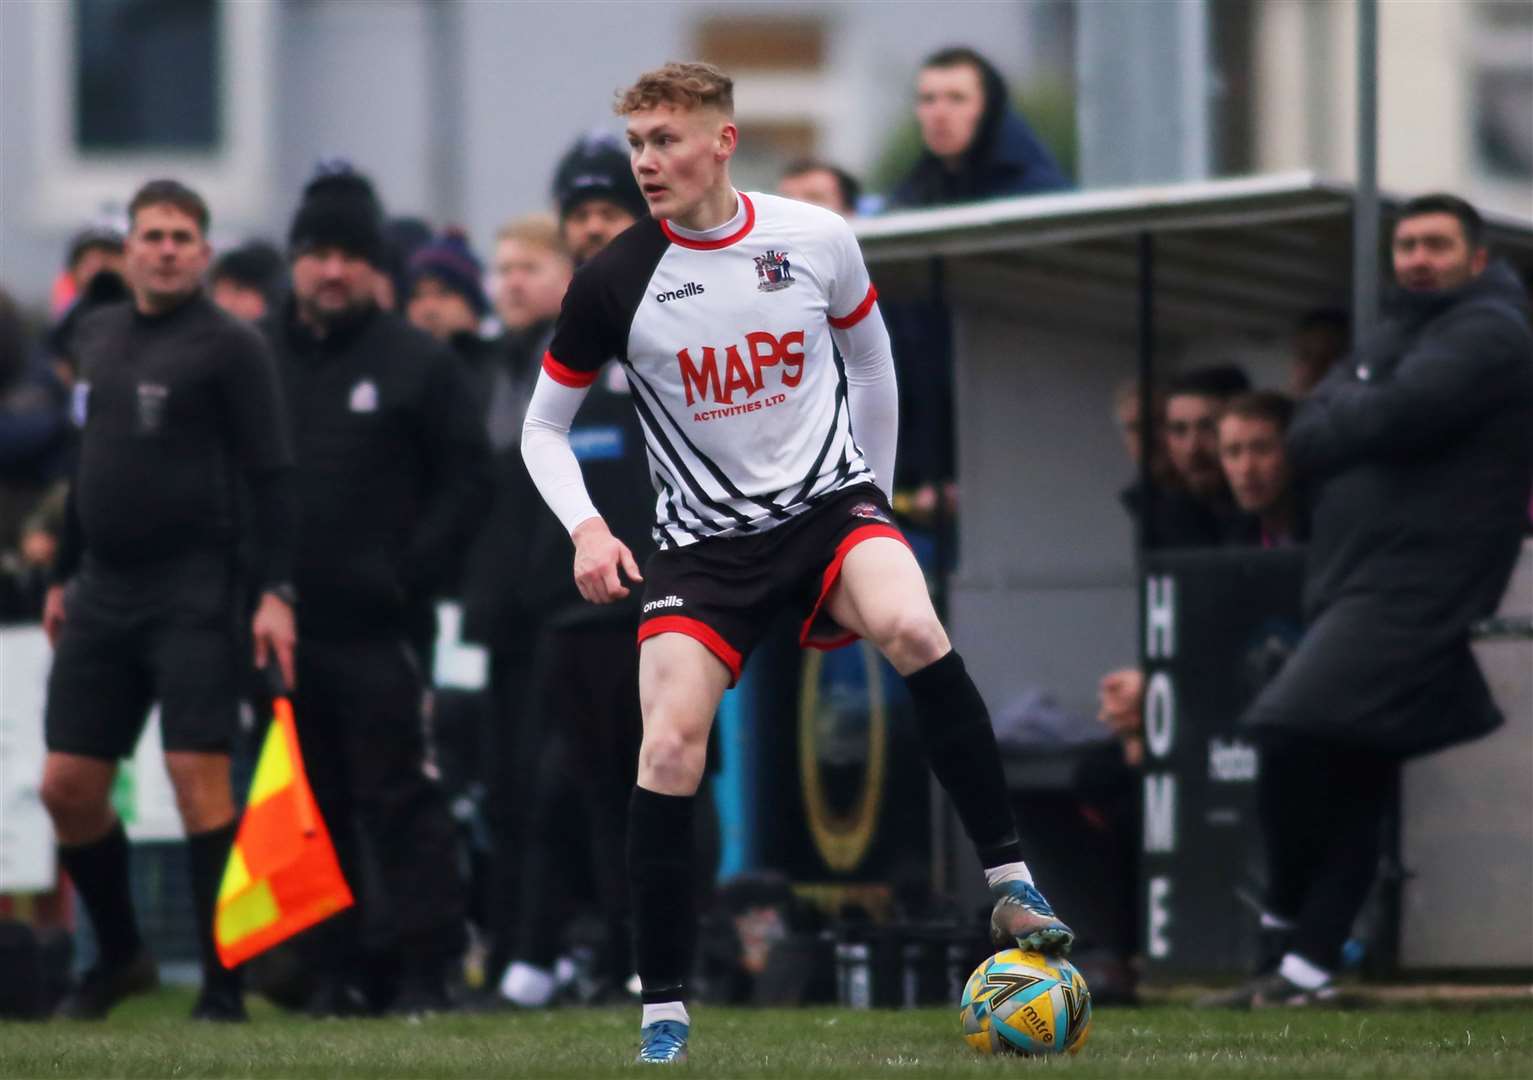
(152, 399)
(364, 397)
(773, 271)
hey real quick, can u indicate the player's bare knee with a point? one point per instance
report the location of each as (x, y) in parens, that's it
(912, 641)
(671, 764)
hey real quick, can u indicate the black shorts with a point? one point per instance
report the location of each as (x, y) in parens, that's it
(724, 592)
(128, 643)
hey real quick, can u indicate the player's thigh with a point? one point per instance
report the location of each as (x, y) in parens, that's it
(681, 682)
(881, 592)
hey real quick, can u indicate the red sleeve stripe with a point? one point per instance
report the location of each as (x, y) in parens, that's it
(567, 376)
(860, 312)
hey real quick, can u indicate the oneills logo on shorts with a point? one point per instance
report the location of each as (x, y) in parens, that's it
(664, 602)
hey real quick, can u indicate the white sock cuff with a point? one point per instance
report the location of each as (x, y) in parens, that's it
(1012, 871)
(665, 1010)
(1302, 973)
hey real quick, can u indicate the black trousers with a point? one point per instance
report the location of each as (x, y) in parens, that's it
(1322, 808)
(509, 773)
(587, 707)
(358, 711)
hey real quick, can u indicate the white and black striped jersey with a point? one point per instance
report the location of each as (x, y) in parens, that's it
(727, 346)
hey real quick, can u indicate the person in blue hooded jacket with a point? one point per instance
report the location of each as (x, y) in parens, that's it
(976, 146)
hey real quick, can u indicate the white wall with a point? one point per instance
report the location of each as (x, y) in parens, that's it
(1306, 99)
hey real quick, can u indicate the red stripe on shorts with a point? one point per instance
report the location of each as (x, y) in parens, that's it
(833, 574)
(699, 631)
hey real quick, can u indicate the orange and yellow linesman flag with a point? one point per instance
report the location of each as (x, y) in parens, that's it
(282, 875)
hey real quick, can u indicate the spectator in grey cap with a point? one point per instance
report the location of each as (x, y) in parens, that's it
(597, 195)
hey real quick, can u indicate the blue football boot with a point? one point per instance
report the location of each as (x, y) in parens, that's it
(663, 1043)
(1023, 916)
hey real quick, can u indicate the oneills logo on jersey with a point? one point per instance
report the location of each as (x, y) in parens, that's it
(691, 288)
(774, 271)
(870, 511)
(702, 379)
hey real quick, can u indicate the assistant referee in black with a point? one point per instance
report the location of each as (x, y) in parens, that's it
(184, 447)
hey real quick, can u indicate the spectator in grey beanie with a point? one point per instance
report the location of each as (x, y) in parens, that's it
(446, 294)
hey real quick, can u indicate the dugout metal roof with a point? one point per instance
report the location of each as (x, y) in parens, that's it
(1247, 255)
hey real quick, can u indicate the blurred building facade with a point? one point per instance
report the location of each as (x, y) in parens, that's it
(459, 110)
(1455, 95)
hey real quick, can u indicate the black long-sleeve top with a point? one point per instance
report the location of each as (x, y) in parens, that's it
(181, 417)
(393, 470)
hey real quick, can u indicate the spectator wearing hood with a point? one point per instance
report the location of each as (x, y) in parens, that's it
(976, 146)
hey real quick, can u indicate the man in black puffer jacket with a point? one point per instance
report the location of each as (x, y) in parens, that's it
(1419, 461)
(392, 478)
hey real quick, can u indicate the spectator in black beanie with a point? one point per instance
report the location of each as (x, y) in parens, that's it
(597, 195)
(392, 464)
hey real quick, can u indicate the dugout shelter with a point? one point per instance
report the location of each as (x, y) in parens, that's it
(1055, 300)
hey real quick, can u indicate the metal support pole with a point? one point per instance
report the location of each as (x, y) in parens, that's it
(1365, 205)
(1148, 427)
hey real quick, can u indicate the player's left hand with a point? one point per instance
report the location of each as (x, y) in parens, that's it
(275, 634)
(598, 557)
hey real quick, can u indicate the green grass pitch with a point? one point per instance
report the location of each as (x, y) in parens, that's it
(152, 1038)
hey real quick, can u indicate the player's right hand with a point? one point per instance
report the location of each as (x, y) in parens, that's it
(53, 614)
(598, 557)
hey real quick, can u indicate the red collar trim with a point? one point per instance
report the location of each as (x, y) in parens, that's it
(713, 245)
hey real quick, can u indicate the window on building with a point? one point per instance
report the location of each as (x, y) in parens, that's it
(782, 104)
(1503, 89)
(147, 75)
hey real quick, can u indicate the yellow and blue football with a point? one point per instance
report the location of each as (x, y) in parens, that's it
(1025, 1003)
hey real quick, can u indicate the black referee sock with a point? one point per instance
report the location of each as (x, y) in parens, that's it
(960, 745)
(99, 871)
(660, 845)
(207, 854)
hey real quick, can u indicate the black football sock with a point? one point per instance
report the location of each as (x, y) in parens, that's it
(99, 870)
(960, 745)
(660, 843)
(208, 853)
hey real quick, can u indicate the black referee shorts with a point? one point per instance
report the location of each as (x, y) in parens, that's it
(725, 592)
(128, 642)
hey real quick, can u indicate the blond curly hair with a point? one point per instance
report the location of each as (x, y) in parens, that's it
(685, 85)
